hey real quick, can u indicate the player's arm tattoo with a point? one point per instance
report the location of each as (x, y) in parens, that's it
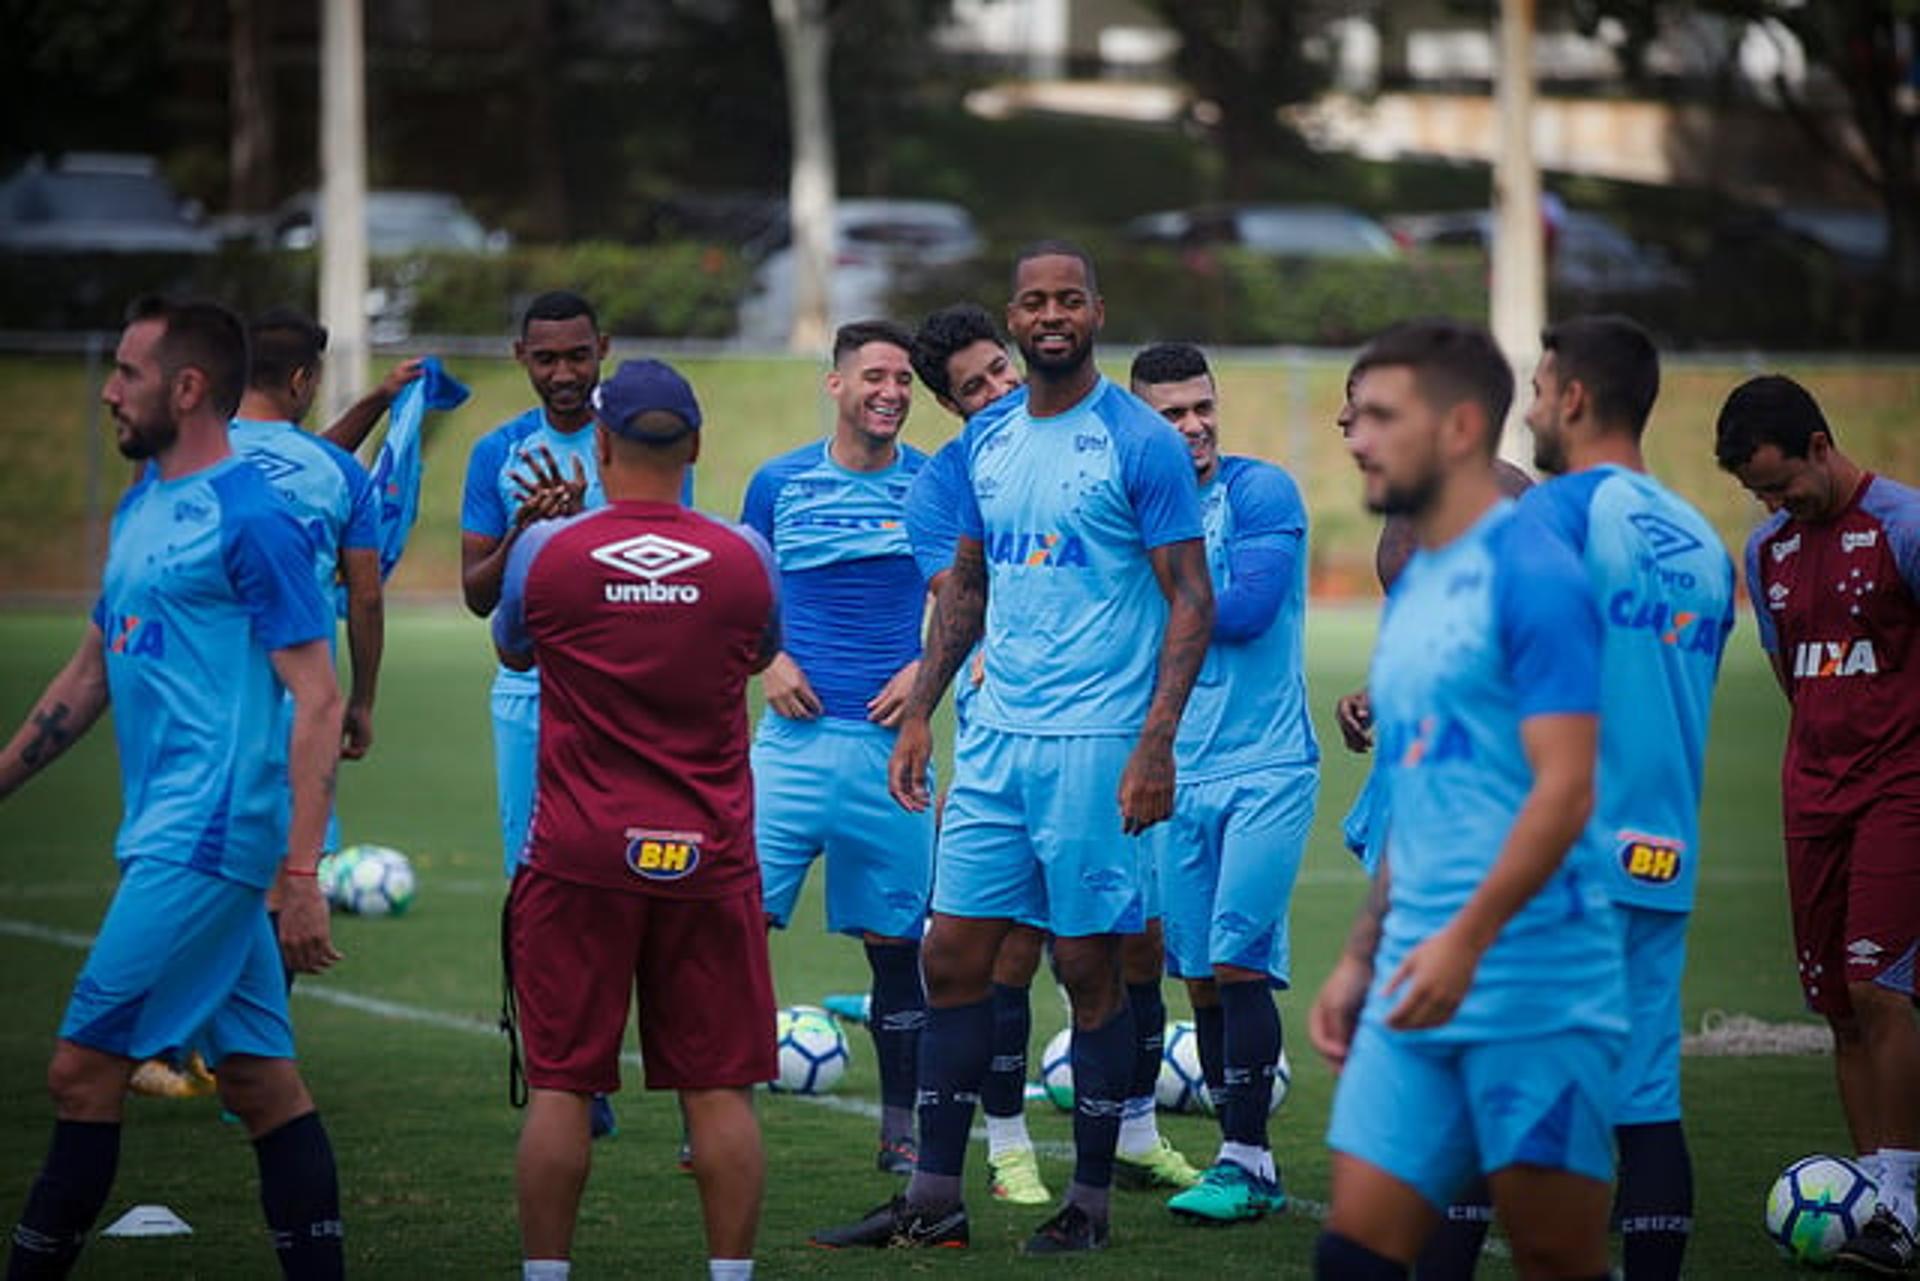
(959, 619)
(1363, 940)
(1182, 570)
(50, 736)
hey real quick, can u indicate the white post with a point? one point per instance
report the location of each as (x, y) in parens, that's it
(1519, 242)
(343, 197)
(805, 43)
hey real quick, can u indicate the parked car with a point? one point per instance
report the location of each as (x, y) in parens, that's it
(398, 223)
(1280, 231)
(98, 202)
(879, 247)
(1589, 254)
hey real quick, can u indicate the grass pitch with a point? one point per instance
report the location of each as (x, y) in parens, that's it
(396, 1045)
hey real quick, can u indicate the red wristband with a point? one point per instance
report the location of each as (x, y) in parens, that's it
(294, 871)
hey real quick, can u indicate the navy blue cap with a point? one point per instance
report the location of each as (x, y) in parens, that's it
(645, 386)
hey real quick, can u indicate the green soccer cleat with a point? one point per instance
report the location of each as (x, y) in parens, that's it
(1229, 1193)
(1014, 1177)
(1160, 1166)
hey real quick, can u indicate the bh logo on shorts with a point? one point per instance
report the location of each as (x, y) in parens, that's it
(663, 856)
(1650, 860)
(651, 558)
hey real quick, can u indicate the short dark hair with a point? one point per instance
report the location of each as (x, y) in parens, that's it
(558, 304)
(857, 334)
(943, 335)
(1772, 409)
(1053, 248)
(1451, 362)
(201, 334)
(1168, 362)
(1616, 362)
(282, 340)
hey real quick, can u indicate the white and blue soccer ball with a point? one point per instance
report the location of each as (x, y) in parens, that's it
(813, 1050)
(1056, 1070)
(1816, 1204)
(1182, 1086)
(368, 880)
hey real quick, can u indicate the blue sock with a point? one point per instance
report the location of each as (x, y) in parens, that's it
(1252, 1045)
(300, 1192)
(1005, 1090)
(1655, 1200)
(66, 1198)
(954, 1051)
(1453, 1251)
(899, 1015)
(1102, 1070)
(1210, 1030)
(1149, 1009)
(1338, 1258)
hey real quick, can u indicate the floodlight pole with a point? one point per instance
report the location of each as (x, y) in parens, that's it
(343, 201)
(806, 43)
(1519, 292)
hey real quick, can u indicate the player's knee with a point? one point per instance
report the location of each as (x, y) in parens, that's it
(1558, 1252)
(1143, 956)
(264, 1093)
(85, 1087)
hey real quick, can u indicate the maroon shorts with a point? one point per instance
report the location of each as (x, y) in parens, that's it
(699, 967)
(1856, 903)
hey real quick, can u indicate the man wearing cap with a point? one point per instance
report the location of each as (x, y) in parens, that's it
(639, 875)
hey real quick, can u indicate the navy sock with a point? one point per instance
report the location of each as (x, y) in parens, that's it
(1102, 1066)
(1453, 1251)
(66, 1199)
(1252, 1046)
(1655, 1200)
(1149, 1009)
(954, 1051)
(899, 1014)
(300, 1192)
(1338, 1258)
(1210, 1030)
(1005, 1090)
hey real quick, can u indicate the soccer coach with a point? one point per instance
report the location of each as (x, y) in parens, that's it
(645, 619)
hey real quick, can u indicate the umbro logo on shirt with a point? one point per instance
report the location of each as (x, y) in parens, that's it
(1664, 538)
(275, 467)
(652, 557)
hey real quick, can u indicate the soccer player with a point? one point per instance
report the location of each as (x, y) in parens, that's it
(1834, 575)
(646, 620)
(195, 649)
(834, 513)
(1081, 562)
(1479, 1024)
(1248, 772)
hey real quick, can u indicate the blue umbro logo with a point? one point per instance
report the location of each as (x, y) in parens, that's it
(275, 467)
(1664, 538)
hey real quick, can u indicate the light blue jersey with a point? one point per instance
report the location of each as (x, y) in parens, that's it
(1066, 509)
(326, 487)
(1664, 586)
(933, 527)
(1479, 636)
(1248, 709)
(206, 575)
(851, 594)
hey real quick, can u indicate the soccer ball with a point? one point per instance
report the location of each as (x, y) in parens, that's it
(1182, 1087)
(369, 880)
(1056, 1070)
(1816, 1204)
(813, 1051)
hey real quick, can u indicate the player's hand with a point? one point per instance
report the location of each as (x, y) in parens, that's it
(1146, 787)
(886, 707)
(1354, 713)
(1432, 980)
(788, 691)
(306, 935)
(356, 732)
(1336, 1010)
(977, 667)
(542, 485)
(907, 769)
(400, 375)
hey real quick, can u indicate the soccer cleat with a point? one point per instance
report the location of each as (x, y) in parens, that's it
(1014, 1176)
(600, 1120)
(855, 1007)
(1885, 1246)
(1072, 1231)
(159, 1079)
(893, 1225)
(1228, 1193)
(898, 1157)
(1160, 1166)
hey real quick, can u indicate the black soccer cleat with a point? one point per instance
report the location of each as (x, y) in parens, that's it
(898, 1157)
(1072, 1231)
(894, 1225)
(1885, 1246)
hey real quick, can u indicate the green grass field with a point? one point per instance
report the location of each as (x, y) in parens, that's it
(414, 1089)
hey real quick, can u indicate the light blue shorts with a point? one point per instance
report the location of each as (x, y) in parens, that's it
(1227, 863)
(182, 958)
(516, 754)
(1656, 951)
(1434, 1113)
(1033, 834)
(1365, 830)
(820, 787)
